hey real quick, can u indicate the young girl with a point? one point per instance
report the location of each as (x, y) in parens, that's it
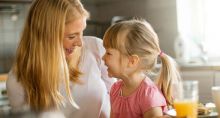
(132, 49)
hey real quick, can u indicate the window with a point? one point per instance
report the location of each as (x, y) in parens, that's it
(199, 21)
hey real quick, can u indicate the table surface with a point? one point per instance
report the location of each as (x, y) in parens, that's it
(172, 113)
(211, 115)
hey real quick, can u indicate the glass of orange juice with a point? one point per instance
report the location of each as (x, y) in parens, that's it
(186, 102)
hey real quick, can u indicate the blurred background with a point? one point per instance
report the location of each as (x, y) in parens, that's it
(161, 14)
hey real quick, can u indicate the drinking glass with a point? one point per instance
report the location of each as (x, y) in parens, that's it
(216, 98)
(186, 102)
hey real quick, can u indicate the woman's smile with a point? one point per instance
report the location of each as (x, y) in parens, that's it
(69, 50)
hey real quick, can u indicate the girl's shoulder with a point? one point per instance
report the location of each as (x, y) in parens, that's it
(148, 87)
(148, 83)
(117, 84)
(116, 87)
(150, 96)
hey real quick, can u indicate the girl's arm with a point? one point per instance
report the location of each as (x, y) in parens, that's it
(111, 114)
(153, 113)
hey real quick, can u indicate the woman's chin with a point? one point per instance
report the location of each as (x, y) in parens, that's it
(68, 56)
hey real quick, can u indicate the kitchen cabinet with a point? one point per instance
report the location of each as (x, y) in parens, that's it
(217, 78)
(205, 78)
(16, 1)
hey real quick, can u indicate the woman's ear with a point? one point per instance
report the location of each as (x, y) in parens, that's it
(133, 60)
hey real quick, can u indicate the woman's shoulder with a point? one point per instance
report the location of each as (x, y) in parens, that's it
(12, 82)
(92, 40)
(11, 78)
(16, 93)
(94, 46)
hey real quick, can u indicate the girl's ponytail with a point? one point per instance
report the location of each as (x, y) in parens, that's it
(168, 77)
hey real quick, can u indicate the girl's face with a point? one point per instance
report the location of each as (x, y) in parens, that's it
(114, 62)
(73, 35)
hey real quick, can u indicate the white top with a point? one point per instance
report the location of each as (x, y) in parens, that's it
(92, 97)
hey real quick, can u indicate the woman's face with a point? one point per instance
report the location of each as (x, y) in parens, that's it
(73, 35)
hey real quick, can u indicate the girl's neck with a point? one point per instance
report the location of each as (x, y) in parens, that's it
(131, 83)
(134, 79)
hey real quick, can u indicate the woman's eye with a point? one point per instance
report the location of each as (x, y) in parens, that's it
(71, 37)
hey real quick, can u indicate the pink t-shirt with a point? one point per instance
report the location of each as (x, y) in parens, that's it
(135, 105)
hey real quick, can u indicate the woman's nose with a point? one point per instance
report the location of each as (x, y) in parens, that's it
(79, 42)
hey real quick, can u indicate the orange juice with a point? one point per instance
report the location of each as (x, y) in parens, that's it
(186, 108)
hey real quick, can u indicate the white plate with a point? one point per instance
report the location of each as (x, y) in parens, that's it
(172, 113)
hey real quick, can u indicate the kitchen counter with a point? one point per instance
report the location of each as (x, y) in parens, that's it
(3, 77)
(4, 102)
(215, 66)
(207, 74)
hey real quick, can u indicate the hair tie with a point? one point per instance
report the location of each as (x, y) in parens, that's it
(161, 53)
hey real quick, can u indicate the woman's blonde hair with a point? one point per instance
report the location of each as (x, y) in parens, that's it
(40, 63)
(137, 37)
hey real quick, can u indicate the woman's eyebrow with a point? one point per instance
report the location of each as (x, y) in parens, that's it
(72, 34)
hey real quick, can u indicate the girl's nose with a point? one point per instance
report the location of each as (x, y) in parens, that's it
(103, 57)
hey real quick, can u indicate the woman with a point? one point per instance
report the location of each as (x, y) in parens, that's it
(53, 55)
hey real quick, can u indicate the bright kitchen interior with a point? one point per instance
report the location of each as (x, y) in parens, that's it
(188, 31)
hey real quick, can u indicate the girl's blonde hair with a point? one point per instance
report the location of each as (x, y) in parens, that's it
(40, 63)
(137, 37)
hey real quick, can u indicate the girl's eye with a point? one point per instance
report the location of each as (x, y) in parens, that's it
(108, 53)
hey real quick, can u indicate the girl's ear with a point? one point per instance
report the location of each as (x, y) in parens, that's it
(133, 60)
